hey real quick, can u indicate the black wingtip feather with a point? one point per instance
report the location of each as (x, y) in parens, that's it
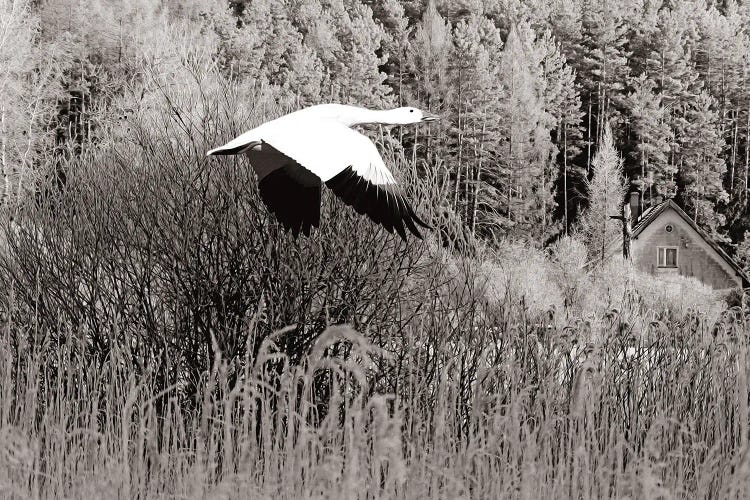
(400, 210)
(412, 227)
(386, 213)
(381, 203)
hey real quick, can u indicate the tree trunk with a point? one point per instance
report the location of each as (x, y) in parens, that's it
(627, 230)
(733, 163)
(3, 158)
(588, 146)
(459, 125)
(467, 175)
(565, 174)
(747, 155)
(478, 180)
(510, 171)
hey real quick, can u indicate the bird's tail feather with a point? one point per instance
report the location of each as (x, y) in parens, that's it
(237, 150)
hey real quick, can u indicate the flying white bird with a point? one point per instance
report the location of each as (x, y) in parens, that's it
(294, 154)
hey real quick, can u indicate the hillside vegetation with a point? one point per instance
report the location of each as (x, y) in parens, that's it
(162, 336)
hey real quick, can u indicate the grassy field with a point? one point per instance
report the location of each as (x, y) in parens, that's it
(625, 405)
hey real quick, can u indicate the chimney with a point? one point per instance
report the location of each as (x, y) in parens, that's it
(635, 205)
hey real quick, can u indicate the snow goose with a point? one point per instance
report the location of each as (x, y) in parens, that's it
(294, 154)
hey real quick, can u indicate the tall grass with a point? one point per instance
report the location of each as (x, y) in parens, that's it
(647, 411)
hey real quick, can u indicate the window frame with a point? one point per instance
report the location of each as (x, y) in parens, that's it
(663, 249)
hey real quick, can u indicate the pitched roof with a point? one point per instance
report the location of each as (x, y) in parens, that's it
(652, 213)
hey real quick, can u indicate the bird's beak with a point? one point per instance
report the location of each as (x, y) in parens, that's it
(429, 117)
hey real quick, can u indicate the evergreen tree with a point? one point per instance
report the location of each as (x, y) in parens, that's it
(428, 58)
(701, 165)
(426, 81)
(269, 34)
(669, 63)
(721, 59)
(719, 55)
(476, 73)
(355, 73)
(529, 150)
(650, 141)
(642, 37)
(391, 15)
(503, 111)
(676, 85)
(239, 53)
(563, 104)
(602, 68)
(606, 193)
(567, 25)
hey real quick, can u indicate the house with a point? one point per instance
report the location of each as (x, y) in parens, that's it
(665, 241)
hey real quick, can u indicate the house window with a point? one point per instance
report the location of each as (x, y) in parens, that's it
(667, 256)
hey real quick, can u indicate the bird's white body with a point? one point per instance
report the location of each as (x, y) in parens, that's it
(320, 141)
(305, 135)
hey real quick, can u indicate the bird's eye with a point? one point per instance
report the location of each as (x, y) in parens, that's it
(411, 111)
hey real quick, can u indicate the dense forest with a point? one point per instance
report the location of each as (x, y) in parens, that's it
(525, 87)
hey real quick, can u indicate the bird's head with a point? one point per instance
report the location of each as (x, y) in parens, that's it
(408, 115)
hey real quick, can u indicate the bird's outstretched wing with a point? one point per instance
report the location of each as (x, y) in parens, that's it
(347, 161)
(351, 166)
(295, 203)
(290, 191)
(383, 203)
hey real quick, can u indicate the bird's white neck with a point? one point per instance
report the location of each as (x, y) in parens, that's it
(361, 116)
(354, 115)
